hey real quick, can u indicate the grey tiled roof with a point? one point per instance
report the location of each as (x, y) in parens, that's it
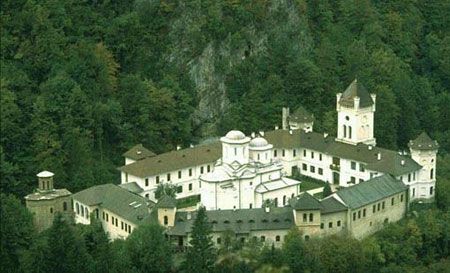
(132, 186)
(239, 221)
(175, 160)
(330, 205)
(371, 191)
(305, 201)
(423, 142)
(128, 205)
(166, 202)
(356, 89)
(138, 152)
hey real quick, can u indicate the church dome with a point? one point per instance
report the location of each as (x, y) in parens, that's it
(258, 142)
(235, 135)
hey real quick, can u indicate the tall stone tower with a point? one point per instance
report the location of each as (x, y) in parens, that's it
(46, 201)
(423, 150)
(356, 109)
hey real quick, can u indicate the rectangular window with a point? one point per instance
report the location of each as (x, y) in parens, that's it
(361, 180)
(320, 157)
(354, 216)
(312, 155)
(392, 201)
(121, 225)
(361, 167)
(146, 182)
(274, 153)
(179, 189)
(414, 175)
(126, 177)
(250, 205)
(304, 167)
(359, 214)
(190, 172)
(330, 225)
(112, 220)
(103, 215)
(190, 186)
(378, 207)
(157, 179)
(321, 225)
(294, 152)
(312, 169)
(201, 169)
(129, 229)
(352, 180)
(117, 222)
(305, 217)
(304, 153)
(401, 198)
(208, 168)
(374, 208)
(126, 226)
(364, 212)
(179, 174)
(382, 205)
(320, 171)
(168, 177)
(353, 165)
(107, 216)
(339, 223)
(409, 177)
(282, 153)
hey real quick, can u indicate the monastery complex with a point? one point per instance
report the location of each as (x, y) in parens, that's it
(252, 185)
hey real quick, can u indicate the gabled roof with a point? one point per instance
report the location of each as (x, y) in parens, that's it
(166, 202)
(174, 160)
(240, 221)
(356, 89)
(330, 205)
(127, 205)
(301, 115)
(305, 201)
(423, 142)
(138, 152)
(391, 161)
(371, 191)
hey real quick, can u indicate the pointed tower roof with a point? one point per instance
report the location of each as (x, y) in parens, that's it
(356, 89)
(423, 142)
(301, 115)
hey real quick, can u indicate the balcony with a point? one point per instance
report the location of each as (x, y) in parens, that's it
(335, 167)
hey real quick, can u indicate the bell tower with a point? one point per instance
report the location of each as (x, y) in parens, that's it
(356, 109)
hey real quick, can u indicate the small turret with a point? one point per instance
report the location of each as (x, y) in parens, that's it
(167, 209)
(45, 181)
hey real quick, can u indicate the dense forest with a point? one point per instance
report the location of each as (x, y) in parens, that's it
(84, 80)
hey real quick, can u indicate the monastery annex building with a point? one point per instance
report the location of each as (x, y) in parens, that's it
(236, 175)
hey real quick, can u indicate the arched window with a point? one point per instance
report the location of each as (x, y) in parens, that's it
(311, 217)
(345, 131)
(166, 220)
(277, 238)
(431, 190)
(284, 200)
(349, 131)
(64, 206)
(86, 211)
(306, 237)
(431, 173)
(82, 210)
(78, 208)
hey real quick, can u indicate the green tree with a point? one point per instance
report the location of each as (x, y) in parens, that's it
(201, 254)
(165, 189)
(17, 232)
(327, 190)
(148, 250)
(294, 251)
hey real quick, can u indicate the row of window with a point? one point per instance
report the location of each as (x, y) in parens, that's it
(353, 180)
(413, 193)
(375, 208)
(312, 169)
(305, 217)
(330, 224)
(81, 210)
(353, 166)
(115, 222)
(255, 238)
(169, 177)
(312, 155)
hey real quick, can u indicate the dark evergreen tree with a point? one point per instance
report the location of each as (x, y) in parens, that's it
(201, 254)
(326, 190)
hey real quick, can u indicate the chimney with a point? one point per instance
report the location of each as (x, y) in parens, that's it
(356, 101)
(261, 133)
(276, 127)
(178, 147)
(191, 145)
(338, 98)
(253, 135)
(379, 156)
(325, 135)
(284, 118)
(402, 162)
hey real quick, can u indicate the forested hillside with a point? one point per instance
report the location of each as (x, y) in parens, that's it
(82, 81)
